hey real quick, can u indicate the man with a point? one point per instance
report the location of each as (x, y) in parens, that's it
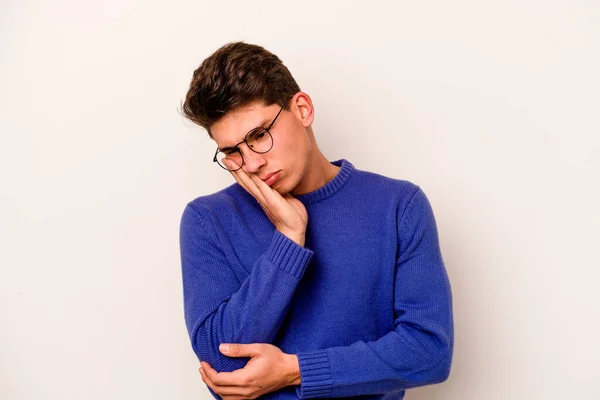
(323, 279)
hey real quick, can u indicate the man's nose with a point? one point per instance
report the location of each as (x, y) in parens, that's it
(253, 161)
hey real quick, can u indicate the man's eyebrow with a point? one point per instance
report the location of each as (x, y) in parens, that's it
(262, 124)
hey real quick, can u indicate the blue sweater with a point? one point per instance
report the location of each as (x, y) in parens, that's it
(366, 304)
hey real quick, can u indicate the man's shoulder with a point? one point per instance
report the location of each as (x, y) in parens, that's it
(379, 183)
(228, 198)
(386, 191)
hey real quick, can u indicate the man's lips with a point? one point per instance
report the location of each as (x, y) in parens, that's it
(270, 179)
(266, 177)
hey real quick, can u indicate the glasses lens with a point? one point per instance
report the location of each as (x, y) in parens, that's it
(232, 155)
(259, 140)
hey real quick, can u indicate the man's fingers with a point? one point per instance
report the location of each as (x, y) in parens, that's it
(231, 164)
(251, 185)
(273, 199)
(270, 195)
(206, 379)
(256, 186)
(239, 180)
(225, 380)
(248, 184)
(219, 389)
(269, 199)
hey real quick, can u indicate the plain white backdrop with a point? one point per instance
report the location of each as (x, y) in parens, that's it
(492, 107)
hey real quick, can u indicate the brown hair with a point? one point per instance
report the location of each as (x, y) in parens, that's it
(233, 76)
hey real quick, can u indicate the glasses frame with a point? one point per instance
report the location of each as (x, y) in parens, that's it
(267, 129)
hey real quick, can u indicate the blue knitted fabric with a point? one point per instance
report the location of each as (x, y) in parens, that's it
(366, 304)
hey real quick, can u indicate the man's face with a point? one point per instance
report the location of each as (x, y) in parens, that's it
(290, 153)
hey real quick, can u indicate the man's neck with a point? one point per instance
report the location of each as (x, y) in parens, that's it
(319, 173)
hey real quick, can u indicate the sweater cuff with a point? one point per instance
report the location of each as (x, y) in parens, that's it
(315, 375)
(288, 255)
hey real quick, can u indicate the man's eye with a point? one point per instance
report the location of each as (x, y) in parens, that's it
(232, 151)
(257, 135)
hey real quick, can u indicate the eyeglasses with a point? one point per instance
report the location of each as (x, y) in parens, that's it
(259, 140)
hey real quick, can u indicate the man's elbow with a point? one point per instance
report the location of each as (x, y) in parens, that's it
(440, 369)
(436, 371)
(206, 348)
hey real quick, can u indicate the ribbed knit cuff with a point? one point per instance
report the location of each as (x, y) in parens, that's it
(288, 255)
(315, 375)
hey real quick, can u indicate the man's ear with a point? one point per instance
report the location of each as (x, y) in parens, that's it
(302, 107)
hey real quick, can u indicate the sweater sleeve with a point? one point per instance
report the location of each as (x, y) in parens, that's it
(418, 351)
(218, 307)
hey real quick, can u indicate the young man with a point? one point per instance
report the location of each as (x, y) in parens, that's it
(325, 280)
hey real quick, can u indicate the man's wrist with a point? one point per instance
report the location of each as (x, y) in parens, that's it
(294, 377)
(299, 239)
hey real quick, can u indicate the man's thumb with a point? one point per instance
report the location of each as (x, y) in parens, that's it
(239, 350)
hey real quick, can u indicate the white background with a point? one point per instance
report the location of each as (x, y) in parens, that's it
(492, 107)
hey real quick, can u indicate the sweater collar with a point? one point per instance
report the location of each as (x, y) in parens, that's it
(331, 187)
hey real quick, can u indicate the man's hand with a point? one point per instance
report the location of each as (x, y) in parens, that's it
(269, 369)
(287, 213)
